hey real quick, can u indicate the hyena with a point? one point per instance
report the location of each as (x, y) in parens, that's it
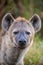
(18, 38)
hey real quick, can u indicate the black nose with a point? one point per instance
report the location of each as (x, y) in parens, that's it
(22, 43)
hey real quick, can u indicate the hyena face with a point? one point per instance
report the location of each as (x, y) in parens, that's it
(21, 31)
(21, 34)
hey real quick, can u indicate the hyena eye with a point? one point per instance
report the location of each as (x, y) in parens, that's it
(16, 32)
(27, 32)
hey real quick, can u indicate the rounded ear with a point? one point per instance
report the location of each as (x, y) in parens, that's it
(7, 21)
(36, 22)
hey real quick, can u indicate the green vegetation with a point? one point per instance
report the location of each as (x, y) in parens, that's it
(35, 54)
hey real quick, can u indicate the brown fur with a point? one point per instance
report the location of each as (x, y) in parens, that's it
(21, 19)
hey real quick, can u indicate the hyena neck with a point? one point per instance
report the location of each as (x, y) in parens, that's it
(12, 54)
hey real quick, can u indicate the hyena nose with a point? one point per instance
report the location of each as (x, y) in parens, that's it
(22, 43)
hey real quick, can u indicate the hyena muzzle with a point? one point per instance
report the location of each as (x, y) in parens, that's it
(18, 38)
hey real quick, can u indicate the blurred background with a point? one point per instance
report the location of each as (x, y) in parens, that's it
(26, 8)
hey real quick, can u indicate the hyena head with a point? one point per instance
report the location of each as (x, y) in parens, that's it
(21, 31)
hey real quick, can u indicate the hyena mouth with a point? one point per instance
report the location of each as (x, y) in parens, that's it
(22, 47)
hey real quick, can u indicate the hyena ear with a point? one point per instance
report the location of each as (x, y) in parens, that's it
(7, 21)
(36, 22)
